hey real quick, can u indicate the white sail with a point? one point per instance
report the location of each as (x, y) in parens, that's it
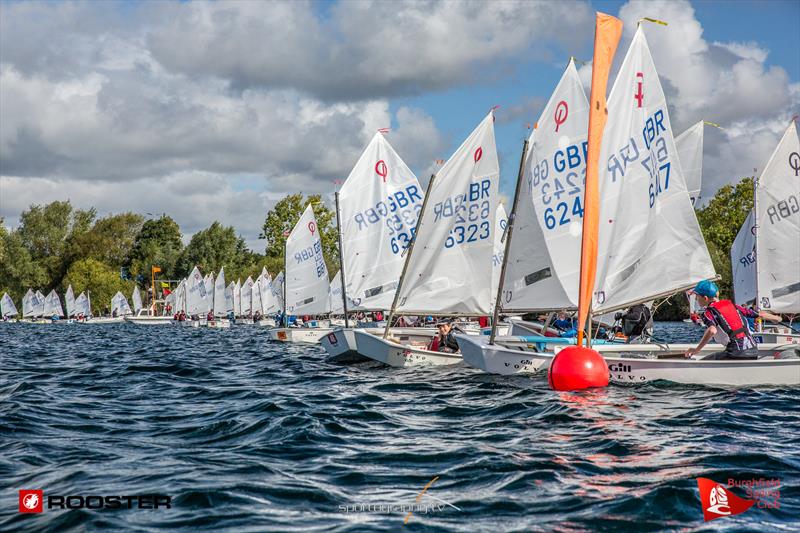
(277, 290)
(220, 307)
(778, 227)
(52, 305)
(177, 298)
(543, 263)
(650, 242)
(450, 269)
(743, 262)
(196, 295)
(500, 225)
(257, 305)
(7, 307)
(39, 304)
(69, 299)
(247, 297)
(690, 153)
(119, 305)
(237, 299)
(269, 305)
(28, 307)
(378, 206)
(336, 306)
(82, 305)
(229, 291)
(208, 280)
(306, 274)
(137, 299)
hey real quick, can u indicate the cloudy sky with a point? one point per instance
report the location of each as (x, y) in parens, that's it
(214, 110)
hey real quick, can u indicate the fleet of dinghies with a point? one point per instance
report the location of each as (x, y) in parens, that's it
(451, 250)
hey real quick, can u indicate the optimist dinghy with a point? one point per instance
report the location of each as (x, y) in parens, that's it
(778, 363)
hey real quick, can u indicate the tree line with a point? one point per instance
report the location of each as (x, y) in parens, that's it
(56, 245)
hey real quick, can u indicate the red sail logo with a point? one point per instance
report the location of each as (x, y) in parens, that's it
(381, 169)
(717, 502)
(478, 154)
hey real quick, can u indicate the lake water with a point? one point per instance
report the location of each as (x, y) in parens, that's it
(245, 435)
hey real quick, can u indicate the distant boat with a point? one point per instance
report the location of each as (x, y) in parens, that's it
(8, 309)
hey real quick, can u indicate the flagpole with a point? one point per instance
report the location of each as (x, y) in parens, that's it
(509, 231)
(408, 257)
(341, 262)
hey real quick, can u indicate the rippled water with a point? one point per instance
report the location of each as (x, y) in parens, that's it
(248, 435)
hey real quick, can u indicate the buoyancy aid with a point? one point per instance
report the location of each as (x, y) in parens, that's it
(729, 318)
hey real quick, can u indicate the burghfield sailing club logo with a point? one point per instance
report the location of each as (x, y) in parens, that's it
(718, 502)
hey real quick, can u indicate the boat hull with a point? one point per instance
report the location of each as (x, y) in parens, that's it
(220, 323)
(399, 355)
(149, 320)
(631, 363)
(298, 335)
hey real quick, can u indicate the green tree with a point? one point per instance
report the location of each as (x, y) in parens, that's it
(18, 271)
(157, 243)
(282, 218)
(100, 280)
(110, 240)
(213, 248)
(45, 232)
(720, 221)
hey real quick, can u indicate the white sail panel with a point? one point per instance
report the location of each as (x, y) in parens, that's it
(28, 307)
(544, 260)
(196, 295)
(257, 304)
(450, 269)
(137, 299)
(336, 305)
(307, 282)
(219, 305)
(52, 305)
(247, 297)
(7, 307)
(500, 225)
(690, 153)
(269, 304)
(82, 305)
(650, 242)
(378, 204)
(69, 300)
(39, 302)
(743, 262)
(208, 280)
(229, 303)
(778, 227)
(277, 290)
(119, 305)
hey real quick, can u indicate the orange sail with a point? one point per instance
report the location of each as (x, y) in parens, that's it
(608, 30)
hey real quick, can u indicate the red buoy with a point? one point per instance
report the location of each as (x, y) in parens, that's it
(577, 367)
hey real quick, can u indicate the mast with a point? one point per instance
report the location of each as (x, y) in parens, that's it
(755, 242)
(341, 262)
(408, 257)
(510, 226)
(285, 278)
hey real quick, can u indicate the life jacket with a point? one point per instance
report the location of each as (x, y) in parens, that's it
(729, 319)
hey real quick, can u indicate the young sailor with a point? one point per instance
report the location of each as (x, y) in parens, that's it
(727, 323)
(447, 341)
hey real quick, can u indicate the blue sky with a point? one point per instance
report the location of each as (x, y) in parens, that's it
(215, 110)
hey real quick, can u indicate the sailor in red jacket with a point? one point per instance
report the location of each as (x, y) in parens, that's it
(727, 322)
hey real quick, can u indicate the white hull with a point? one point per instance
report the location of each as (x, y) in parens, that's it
(219, 323)
(299, 335)
(523, 327)
(646, 363)
(342, 347)
(149, 320)
(769, 337)
(400, 355)
(103, 320)
(267, 322)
